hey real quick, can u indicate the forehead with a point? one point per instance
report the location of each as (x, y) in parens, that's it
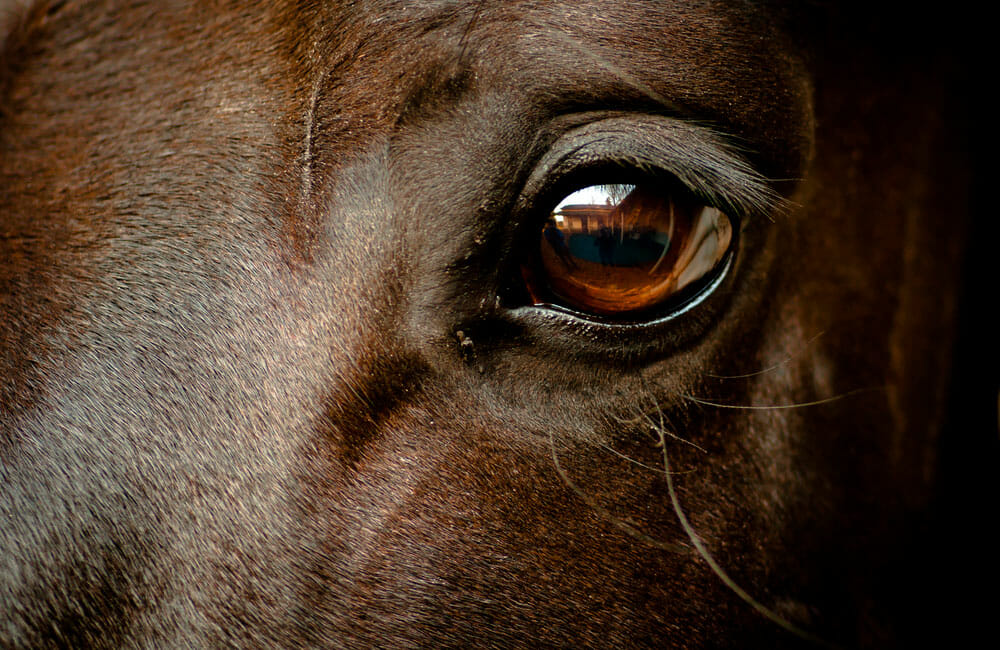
(725, 65)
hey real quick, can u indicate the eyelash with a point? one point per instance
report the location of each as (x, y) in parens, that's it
(692, 161)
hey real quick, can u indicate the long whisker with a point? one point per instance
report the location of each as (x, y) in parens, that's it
(779, 407)
(628, 458)
(662, 428)
(790, 358)
(702, 550)
(639, 463)
(605, 513)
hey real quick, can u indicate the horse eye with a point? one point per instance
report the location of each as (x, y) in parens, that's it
(618, 250)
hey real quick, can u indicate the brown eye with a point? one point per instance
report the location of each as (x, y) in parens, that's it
(612, 250)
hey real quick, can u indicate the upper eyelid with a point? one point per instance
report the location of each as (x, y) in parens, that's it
(699, 157)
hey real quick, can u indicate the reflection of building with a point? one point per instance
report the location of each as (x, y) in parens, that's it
(636, 229)
(635, 212)
(583, 218)
(626, 234)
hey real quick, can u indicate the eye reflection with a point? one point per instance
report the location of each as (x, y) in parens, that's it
(614, 249)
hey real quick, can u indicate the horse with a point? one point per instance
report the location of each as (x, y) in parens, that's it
(287, 361)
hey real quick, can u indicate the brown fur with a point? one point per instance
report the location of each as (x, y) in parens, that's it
(268, 380)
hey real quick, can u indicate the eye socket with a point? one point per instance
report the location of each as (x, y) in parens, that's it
(619, 250)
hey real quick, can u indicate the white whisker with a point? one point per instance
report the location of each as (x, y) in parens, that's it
(662, 428)
(779, 407)
(790, 358)
(605, 513)
(702, 550)
(639, 463)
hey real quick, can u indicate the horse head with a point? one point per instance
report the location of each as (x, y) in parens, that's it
(577, 323)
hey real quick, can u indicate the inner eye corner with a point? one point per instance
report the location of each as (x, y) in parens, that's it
(625, 251)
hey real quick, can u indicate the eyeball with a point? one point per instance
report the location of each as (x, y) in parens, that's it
(621, 250)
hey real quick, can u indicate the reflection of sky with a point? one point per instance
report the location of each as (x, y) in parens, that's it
(593, 195)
